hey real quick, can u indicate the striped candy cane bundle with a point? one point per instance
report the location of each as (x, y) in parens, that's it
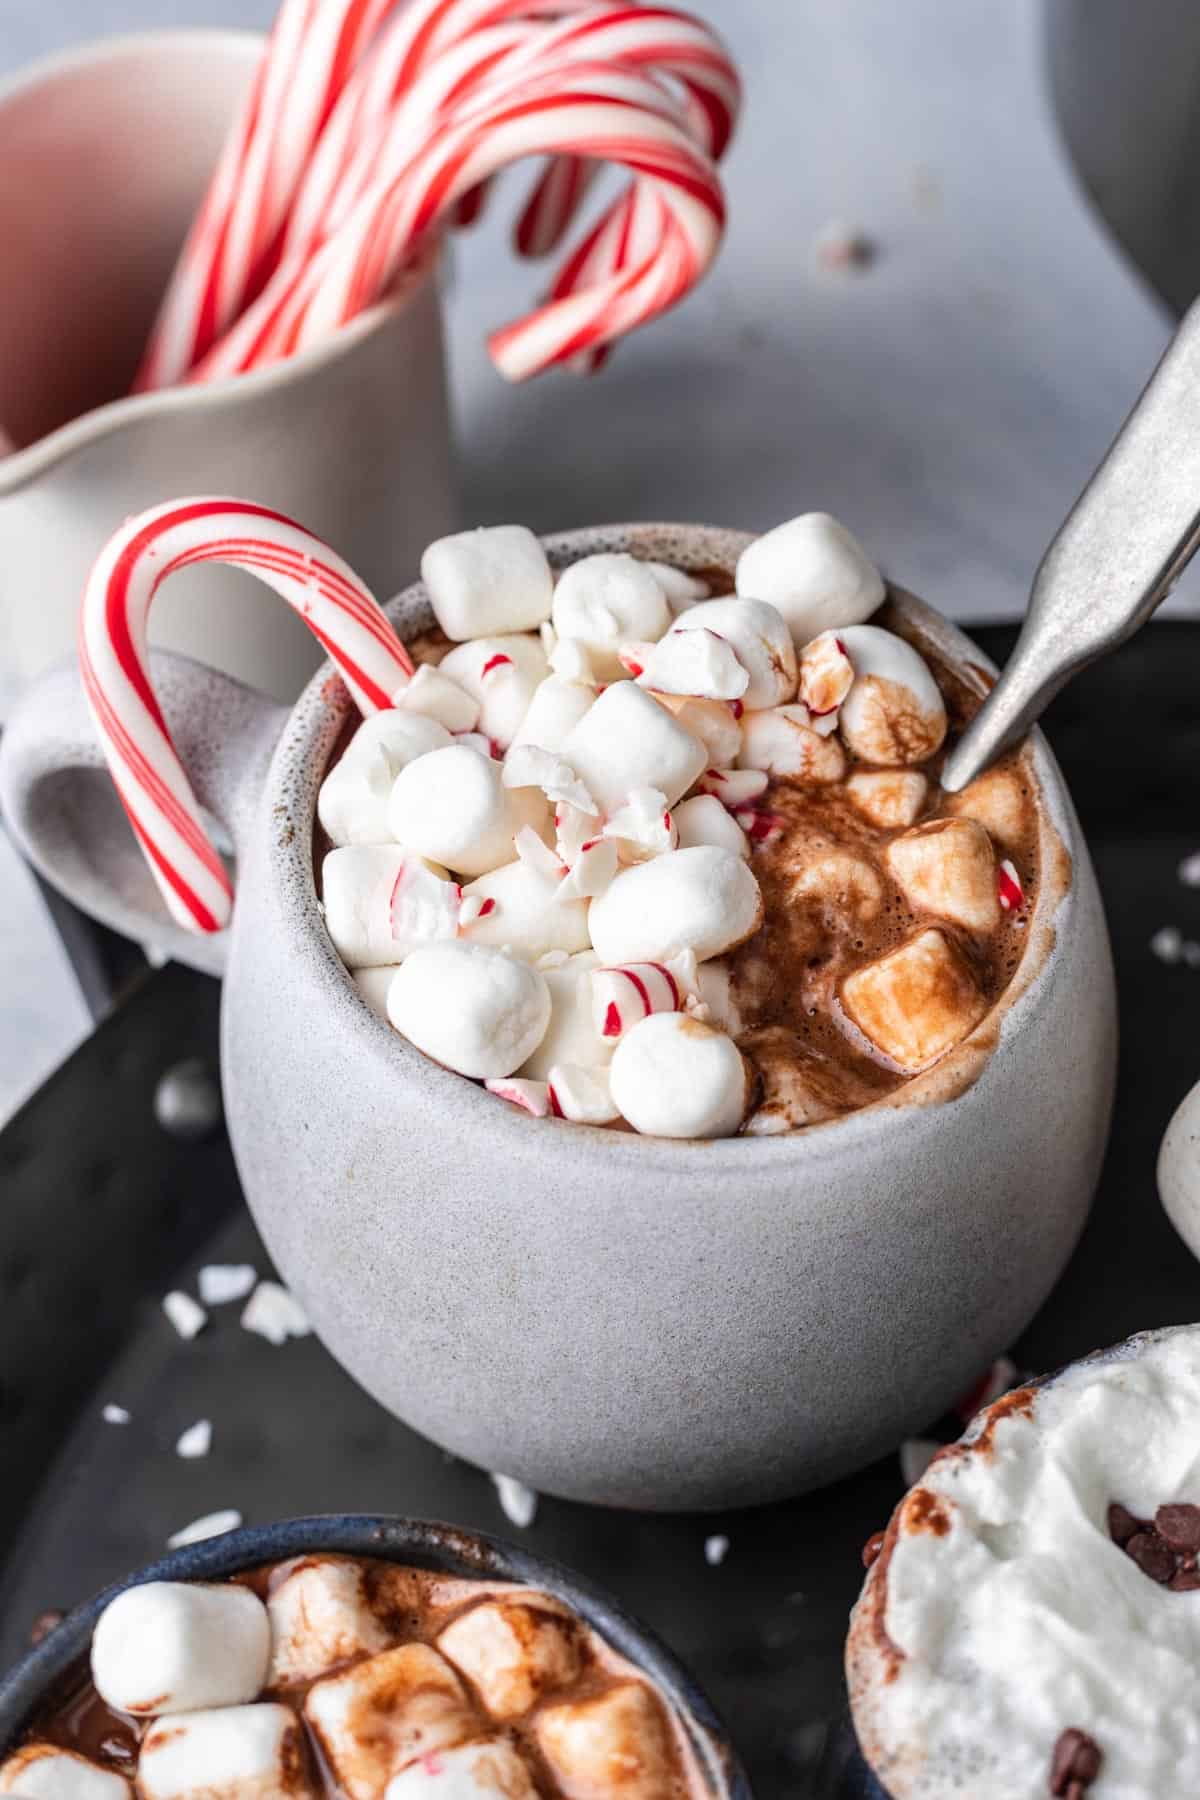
(155, 792)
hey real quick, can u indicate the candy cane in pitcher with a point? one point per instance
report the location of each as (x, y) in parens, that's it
(154, 789)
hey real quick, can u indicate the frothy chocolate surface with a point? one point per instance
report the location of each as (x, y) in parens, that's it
(534, 1680)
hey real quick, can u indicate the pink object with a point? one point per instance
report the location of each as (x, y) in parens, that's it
(532, 1096)
(623, 996)
(1008, 885)
(155, 792)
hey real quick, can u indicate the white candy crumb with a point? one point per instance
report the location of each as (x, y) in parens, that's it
(196, 1440)
(186, 1315)
(210, 1526)
(1189, 870)
(274, 1314)
(716, 1549)
(519, 1503)
(221, 1283)
(916, 1454)
(1167, 944)
(115, 1415)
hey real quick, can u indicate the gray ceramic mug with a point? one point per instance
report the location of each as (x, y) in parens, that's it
(610, 1318)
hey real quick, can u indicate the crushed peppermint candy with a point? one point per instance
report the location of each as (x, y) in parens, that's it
(275, 1314)
(1189, 870)
(210, 1526)
(196, 1441)
(186, 1315)
(1167, 944)
(716, 1549)
(222, 1283)
(115, 1415)
(518, 1502)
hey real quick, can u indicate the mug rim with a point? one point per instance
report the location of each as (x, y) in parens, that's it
(23, 466)
(393, 1537)
(301, 757)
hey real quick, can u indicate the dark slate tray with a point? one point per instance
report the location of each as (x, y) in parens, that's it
(102, 1212)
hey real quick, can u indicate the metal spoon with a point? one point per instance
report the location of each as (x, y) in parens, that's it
(1124, 545)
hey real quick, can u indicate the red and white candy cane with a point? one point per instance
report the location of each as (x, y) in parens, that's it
(339, 611)
(233, 247)
(585, 110)
(623, 996)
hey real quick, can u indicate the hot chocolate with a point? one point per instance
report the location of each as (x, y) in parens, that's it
(675, 799)
(343, 1677)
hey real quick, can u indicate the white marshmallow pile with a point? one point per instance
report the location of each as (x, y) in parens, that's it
(237, 1694)
(584, 773)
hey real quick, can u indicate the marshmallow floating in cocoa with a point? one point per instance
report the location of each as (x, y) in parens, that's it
(319, 1617)
(948, 867)
(353, 802)
(453, 808)
(916, 1003)
(704, 900)
(224, 1753)
(382, 901)
(46, 1772)
(616, 1742)
(502, 674)
(172, 1646)
(375, 1718)
(760, 641)
(826, 677)
(814, 572)
(471, 1007)
(890, 798)
(482, 1770)
(785, 741)
(626, 740)
(894, 713)
(604, 601)
(514, 1650)
(485, 582)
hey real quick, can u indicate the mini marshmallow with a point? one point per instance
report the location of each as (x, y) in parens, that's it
(571, 1036)
(581, 1095)
(681, 589)
(734, 788)
(379, 1716)
(274, 1314)
(714, 985)
(615, 1743)
(703, 820)
(815, 572)
(373, 985)
(712, 721)
(695, 662)
(626, 741)
(674, 1077)
(948, 867)
(840, 885)
(569, 659)
(826, 677)
(353, 802)
(890, 798)
(999, 802)
(319, 1617)
(760, 640)
(503, 674)
(483, 582)
(555, 710)
(383, 901)
(894, 713)
(514, 1650)
(917, 1003)
(622, 997)
(44, 1772)
(528, 917)
(174, 1646)
(452, 807)
(784, 741)
(530, 766)
(435, 696)
(605, 601)
(643, 827)
(471, 1007)
(486, 1770)
(705, 900)
(227, 1753)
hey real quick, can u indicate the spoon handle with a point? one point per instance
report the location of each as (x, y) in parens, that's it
(1122, 548)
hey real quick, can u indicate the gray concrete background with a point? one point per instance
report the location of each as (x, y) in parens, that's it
(948, 402)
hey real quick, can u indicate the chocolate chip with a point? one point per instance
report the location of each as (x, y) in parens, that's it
(1179, 1526)
(1075, 1764)
(871, 1549)
(1121, 1524)
(44, 1624)
(1152, 1556)
(1185, 1581)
